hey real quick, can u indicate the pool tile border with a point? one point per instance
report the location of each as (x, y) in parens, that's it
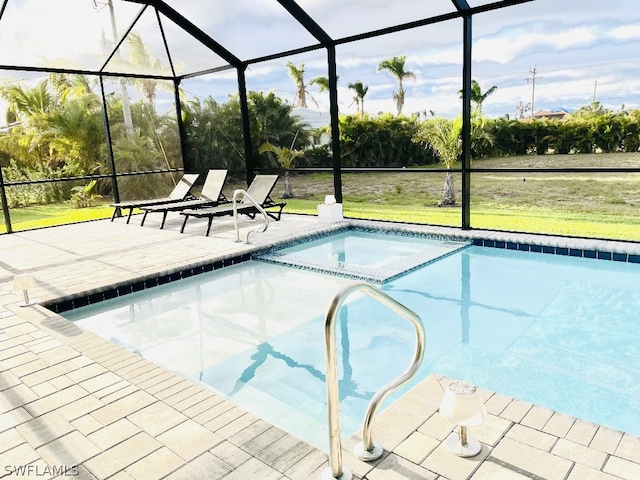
(556, 250)
(66, 304)
(508, 241)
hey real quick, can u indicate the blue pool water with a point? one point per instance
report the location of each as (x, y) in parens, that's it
(557, 331)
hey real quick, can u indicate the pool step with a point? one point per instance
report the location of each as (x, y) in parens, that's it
(379, 272)
(277, 400)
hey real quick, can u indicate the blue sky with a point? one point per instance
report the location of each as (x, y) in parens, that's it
(577, 47)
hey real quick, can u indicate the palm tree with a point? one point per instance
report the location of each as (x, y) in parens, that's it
(60, 123)
(477, 97)
(143, 61)
(521, 108)
(360, 90)
(25, 102)
(443, 136)
(321, 82)
(297, 74)
(286, 157)
(28, 109)
(395, 66)
(126, 110)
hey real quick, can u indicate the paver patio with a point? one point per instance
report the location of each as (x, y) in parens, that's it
(72, 403)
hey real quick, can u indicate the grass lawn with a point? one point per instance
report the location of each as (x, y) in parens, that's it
(578, 204)
(38, 216)
(600, 205)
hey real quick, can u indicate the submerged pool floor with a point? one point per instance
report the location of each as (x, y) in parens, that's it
(560, 332)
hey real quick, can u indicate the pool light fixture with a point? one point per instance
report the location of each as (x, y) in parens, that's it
(24, 281)
(462, 406)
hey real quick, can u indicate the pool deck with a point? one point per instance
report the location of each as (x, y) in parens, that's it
(72, 400)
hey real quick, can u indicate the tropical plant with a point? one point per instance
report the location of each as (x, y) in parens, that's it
(83, 195)
(143, 61)
(443, 136)
(28, 103)
(41, 192)
(213, 135)
(214, 130)
(481, 138)
(321, 82)
(297, 74)
(477, 97)
(272, 121)
(29, 107)
(395, 66)
(630, 127)
(521, 109)
(360, 90)
(381, 141)
(286, 158)
(57, 120)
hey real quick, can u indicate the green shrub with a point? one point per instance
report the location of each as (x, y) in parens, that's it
(37, 193)
(82, 196)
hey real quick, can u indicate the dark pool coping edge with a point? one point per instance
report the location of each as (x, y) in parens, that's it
(608, 250)
(63, 304)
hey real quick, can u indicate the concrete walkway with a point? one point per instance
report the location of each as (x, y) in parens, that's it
(74, 404)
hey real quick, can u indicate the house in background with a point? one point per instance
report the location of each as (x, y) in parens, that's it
(559, 114)
(316, 120)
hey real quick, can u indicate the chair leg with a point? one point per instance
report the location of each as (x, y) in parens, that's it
(164, 217)
(209, 226)
(144, 217)
(184, 223)
(275, 215)
(129, 216)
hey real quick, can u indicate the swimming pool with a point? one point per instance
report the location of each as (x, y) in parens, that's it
(558, 331)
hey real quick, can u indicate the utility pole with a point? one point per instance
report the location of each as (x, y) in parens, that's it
(533, 72)
(595, 85)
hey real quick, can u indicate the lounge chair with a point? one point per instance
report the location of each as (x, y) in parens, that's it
(260, 190)
(211, 195)
(179, 193)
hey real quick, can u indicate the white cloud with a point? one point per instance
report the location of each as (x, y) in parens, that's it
(626, 32)
(506, 48)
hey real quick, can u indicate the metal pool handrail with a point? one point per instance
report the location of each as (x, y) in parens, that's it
(240, 191)
(366, 450)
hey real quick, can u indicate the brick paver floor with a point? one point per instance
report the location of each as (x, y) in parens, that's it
(74, 405)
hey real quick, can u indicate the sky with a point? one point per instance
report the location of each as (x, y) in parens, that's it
(577, 50)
